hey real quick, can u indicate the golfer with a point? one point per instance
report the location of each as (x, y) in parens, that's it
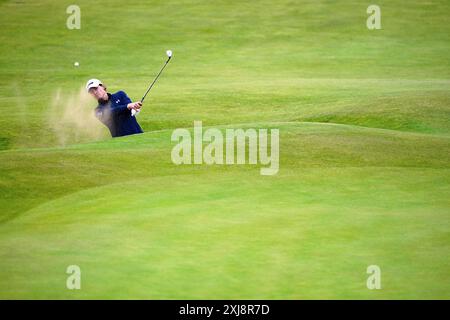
(114, 110)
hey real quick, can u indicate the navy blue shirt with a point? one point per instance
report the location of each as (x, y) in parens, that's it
(116, 116)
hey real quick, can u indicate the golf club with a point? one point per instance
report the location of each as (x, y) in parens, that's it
(169, 55)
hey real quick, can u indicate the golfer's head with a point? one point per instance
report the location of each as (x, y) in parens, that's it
(96, 89)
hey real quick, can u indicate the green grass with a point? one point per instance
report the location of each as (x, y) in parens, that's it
(364, 151)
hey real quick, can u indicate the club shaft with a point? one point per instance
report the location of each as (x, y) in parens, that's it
(160, 71)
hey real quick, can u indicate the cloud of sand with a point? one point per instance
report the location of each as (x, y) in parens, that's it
(72, 119)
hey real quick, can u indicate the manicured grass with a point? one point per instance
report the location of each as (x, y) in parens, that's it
(364, 151)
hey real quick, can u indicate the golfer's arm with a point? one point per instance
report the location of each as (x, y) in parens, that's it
(123, 107)
(120, 108)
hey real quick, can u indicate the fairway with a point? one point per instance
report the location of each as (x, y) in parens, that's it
(364, 141)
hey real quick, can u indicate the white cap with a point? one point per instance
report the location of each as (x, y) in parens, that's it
(92, 83)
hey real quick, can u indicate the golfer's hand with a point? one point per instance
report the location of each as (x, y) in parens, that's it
(134, 105)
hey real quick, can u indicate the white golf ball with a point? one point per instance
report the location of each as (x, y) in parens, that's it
(76, 64)
(169, 53)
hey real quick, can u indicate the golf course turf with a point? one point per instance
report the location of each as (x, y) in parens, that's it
(364, 169)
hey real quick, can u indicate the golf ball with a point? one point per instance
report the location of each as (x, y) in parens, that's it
(76, 64)
(169, 53)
